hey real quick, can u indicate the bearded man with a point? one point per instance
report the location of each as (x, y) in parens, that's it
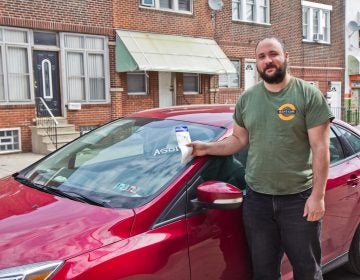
(285, 122)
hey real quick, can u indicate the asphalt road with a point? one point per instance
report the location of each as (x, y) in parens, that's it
(340, 274)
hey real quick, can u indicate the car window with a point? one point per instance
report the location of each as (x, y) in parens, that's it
(124, 163)
(349, 140)
(336, 151)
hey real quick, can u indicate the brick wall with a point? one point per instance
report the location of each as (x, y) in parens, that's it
(238, 39)
(91, 16)
(129, 15)
(96, 114)
(22, 116)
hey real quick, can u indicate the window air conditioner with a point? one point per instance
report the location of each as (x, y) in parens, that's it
(318, 37)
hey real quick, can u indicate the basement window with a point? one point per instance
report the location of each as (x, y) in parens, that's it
(10, 140)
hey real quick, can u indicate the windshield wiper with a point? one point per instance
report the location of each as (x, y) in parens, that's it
(68, 194)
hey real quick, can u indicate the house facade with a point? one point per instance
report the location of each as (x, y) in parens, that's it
(352, 54)
(93, 61)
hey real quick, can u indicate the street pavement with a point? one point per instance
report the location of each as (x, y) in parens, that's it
(11, 163)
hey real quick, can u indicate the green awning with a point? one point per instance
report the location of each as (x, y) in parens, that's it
(353, 65)
(168, 53)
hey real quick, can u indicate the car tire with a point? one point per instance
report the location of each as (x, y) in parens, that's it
(353, 264)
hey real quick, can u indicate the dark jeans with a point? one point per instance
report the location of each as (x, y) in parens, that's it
(274, 224)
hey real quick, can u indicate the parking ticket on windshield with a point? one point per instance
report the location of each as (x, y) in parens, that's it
(183, 138)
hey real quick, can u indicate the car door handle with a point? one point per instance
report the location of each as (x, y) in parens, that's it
(353, 181)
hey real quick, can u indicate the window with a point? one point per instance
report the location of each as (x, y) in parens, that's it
(316, 22)
(251, 10)
(169, 5)
(10, 140)
(14, 65)
(85, 61)
(137, 83)
(191, 83)
(352, 140)
(231, 80)
(336, 151)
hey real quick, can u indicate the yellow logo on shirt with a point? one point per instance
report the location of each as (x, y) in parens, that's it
(287, 112)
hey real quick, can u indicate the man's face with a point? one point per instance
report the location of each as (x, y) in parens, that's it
(271, 61)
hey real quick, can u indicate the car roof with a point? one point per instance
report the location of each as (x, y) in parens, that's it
(216, 115)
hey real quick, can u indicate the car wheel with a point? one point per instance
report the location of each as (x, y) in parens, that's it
(354, 254)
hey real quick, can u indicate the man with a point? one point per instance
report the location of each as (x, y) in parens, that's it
(285, 122)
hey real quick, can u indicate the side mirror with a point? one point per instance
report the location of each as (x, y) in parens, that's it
(218, 195)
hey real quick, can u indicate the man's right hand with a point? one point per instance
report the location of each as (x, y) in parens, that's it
(199, 148)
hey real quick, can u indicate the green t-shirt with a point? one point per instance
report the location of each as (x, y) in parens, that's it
(279, 158)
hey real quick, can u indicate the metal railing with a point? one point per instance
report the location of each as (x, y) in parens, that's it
(349, 115)
(47, 121)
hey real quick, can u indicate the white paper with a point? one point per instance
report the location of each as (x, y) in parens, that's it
(183, 138)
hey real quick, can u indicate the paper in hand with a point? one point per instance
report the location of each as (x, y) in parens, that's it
(183, 138)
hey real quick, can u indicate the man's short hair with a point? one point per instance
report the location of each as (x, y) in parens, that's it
(281, 42)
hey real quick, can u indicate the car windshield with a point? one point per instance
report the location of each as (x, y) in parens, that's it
(124, 164)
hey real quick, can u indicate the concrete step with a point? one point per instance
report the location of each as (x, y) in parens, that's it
(42, 144)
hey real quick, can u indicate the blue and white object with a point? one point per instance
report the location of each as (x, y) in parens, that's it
(183, 138)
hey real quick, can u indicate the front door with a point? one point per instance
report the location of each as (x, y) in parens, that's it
(47, 86)
(165, 90)
(335, 99)
(250, 74)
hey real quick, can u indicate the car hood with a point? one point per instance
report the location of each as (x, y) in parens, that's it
(36, 226)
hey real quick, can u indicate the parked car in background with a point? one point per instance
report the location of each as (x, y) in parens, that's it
(118, 203)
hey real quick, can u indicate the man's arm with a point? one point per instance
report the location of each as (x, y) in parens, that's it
(319, 142)
(230, 145)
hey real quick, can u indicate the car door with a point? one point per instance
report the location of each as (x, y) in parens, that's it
(342, 193)
(217, 244)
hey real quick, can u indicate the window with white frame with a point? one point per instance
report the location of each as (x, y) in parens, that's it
(231, 80)
(251, 10)
(316, 22)
(170, 5)
(85, 66)
(137, 83)
(15, 65)
(191, 83)
(10, 140)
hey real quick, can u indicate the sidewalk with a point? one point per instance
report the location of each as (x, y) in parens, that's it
(11, 163)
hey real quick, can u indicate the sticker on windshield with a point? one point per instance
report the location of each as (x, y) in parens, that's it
(183, 138)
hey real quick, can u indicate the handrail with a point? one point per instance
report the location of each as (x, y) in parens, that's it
(47, 120)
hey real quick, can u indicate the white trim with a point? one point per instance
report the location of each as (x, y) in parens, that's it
(43, 79)
(316, 5)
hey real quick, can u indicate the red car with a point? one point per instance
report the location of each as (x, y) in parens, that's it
(119, 203)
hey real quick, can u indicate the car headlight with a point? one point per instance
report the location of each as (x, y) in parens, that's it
(35, 271)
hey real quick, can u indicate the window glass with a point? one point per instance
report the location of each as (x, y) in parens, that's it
(316, 22)
(85, 67)
(16, 36)
(136, 82)
(75, 76)
(336, 151)
(96, 76)
(352, 139)
(18, 74)
(2, 86)
(166, 4)
(185, 5)
(15, 71)
(45, 38)
(191, 82)
(175, 5)
(251, 10)
(124, 163)
(231, 80)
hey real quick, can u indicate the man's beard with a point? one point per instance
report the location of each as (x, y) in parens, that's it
(277, 77)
